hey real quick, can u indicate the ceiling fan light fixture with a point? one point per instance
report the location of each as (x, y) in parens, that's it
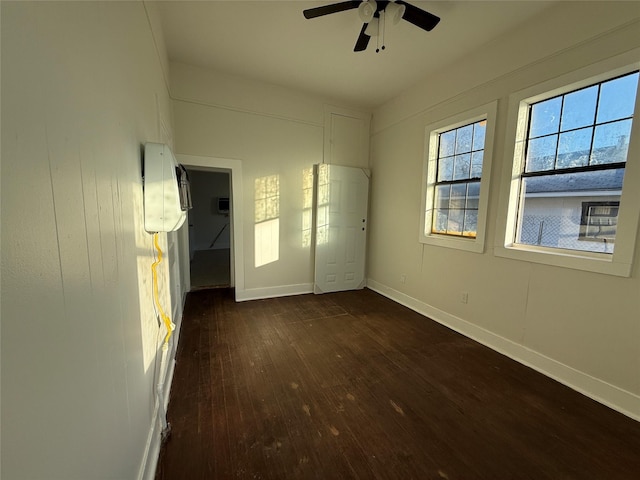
(373, 15)
(373, 28)
(367, 10)
(395, 11)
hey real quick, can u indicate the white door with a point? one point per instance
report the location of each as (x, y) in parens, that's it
(342, 195)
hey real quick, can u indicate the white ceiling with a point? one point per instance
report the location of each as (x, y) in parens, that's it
(271, 41)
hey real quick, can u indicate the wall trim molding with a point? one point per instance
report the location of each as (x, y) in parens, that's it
(273, 292)
(285, 118)
(614, 397)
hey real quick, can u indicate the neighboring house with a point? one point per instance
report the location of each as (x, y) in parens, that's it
(576, 211)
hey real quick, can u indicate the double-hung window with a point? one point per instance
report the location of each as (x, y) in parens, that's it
(571, 155)
(456, 179)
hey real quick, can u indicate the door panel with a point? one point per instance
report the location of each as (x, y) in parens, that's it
(341, 213)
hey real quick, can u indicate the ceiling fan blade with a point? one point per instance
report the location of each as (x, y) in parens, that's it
(363, 40)
(425, 20)
(333, 8)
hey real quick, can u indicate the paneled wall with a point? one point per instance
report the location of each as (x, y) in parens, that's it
(82, 90)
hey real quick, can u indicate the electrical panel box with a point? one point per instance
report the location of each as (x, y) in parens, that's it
(167, 194)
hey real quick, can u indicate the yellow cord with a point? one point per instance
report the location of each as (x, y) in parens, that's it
(165, 318)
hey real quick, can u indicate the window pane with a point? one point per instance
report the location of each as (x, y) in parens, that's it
(456, 221)
(574, 148)
(541, 154)
(440, 220)
(551, 208)
(579, 108)
(545, 117)
(445, 169)
(463, 139)
(473, 195)
(470, 223)
(476, 164)
(447, 144)
(462, 165)
(442, 196)
(479, 132)
(458, 195)
(574, 183)
(611, 142)
(617, 98)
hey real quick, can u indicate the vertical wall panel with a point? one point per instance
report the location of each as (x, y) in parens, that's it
(82, 85)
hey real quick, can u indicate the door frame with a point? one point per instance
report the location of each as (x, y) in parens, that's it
(234, 168)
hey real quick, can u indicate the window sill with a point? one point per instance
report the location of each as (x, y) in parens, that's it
(459, 243)
(585, 261)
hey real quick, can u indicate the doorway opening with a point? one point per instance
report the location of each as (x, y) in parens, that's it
(210, 239)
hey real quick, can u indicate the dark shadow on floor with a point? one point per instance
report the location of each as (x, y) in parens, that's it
(210, 269)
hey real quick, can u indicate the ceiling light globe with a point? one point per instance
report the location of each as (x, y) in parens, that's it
(395, 12)
(367, 10)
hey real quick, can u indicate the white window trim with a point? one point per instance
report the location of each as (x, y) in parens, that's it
(485, 112)
(619, 263)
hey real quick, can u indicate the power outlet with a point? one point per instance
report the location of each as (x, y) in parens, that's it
(403, 278)
(464, 297)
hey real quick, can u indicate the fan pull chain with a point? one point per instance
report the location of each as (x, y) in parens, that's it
(380, 39)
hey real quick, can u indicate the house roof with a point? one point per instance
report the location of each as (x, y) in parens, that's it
(599, 180)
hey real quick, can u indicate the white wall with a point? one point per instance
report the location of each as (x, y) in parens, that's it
(580, 327)
(82, 90)
(271, 131)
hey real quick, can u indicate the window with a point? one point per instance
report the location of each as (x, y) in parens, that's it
(575, 152)
(456, 180)
(565, 201)
(457, 185)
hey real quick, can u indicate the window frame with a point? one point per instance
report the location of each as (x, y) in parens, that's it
(487, 112)
(620, 262)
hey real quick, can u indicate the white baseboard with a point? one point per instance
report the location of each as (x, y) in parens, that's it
(153, 444)
(152, 450)
(154, 438)
(273, 292)
(621, 400)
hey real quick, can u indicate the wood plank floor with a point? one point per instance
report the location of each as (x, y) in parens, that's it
(354, 386)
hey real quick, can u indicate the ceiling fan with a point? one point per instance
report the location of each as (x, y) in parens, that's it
(374, 14)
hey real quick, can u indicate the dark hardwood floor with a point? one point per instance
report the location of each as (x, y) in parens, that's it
(354, 386)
